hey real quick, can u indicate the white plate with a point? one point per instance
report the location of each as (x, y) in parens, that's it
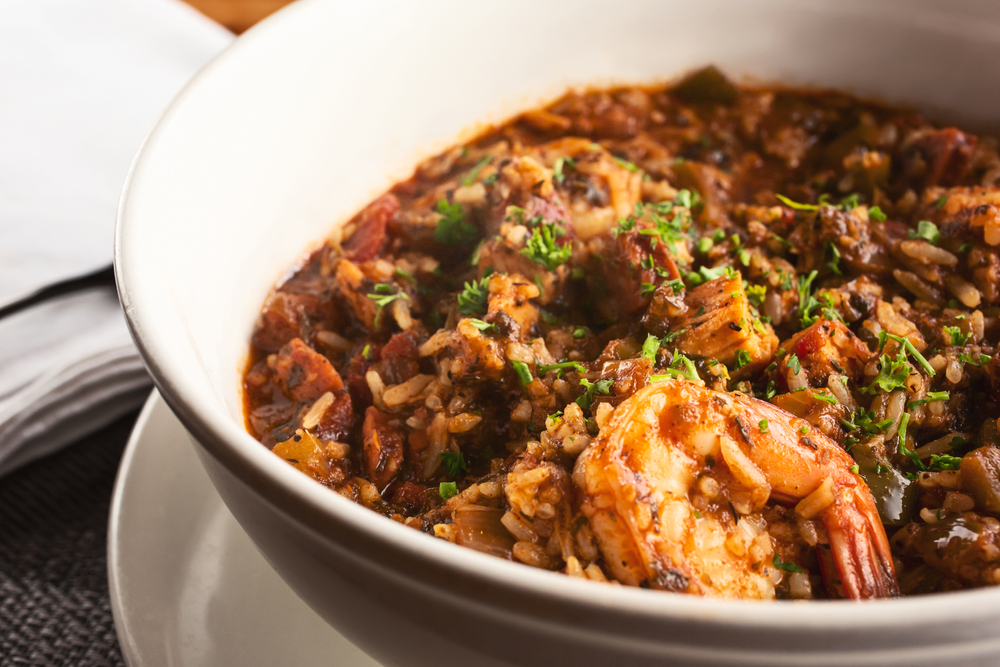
(187, 585)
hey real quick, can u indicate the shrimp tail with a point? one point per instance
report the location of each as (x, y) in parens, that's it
(859, 549)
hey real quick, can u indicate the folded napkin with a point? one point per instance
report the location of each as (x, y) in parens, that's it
(81, 83)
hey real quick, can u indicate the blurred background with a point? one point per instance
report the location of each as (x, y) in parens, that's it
(237, 15)
(81, 83)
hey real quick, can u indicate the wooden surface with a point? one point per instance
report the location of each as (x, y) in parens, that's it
(237, 15)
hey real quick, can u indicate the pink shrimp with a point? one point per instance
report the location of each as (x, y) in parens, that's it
(676, 484)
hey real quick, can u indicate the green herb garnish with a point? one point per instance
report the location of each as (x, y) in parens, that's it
(793, 363)
(453, 462)
(452, 229)
(470, 178)
(562, 164)
(681, 366)
(941, 462)
(543, 249)
(572, 365)
(755, 294)
(932, 397)
(591, 388)
(485, 327)
(785, 566)
(626, 164)
(958, 339)
(523, 372)
(834, 263)
(904, 420)
(384, 294)
(650, 347)
(864, 423)
(474, 297)
(926, 230)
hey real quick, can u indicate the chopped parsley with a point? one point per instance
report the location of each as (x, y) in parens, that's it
(571, 365)
(650, 347)
(474, 296)
(676, 286)
(515, 214)
(705, 244)
(470, 178)
(793, 363)
(875, 213)
(855, 469)
(755, 294)
(967, 359)
(543, 249)
(785, 566)
(907, 347)
(591, 388)
(804, 430)
(705, 274)
(681, 366)
(850, 202)
(687, 199)
(485, 327)
(742, 358)
(627, 165)
(383, 295)
(453, 229)
(405, 275)
(366, 353)
(958, 339)
(932, 397)
(580, 332)
(891, 376)
(807, 302)
(762, 426)
(904, 420)
(826, 398)
(863, 422)
(453, 462)
(834, 263)
(447, 490)
(523, 372)
(925, 230)
(941, 462)
(562, 164)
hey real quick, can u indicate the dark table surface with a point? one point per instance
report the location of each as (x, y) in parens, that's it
(54, 604)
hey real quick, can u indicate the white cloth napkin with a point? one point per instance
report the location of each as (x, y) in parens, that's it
(81, 83)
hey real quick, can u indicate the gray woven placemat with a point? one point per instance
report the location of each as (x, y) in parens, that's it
(54, 605)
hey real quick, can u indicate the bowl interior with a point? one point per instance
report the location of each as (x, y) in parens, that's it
(322, 107)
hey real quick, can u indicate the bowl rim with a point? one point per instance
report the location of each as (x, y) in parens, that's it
(283, 486)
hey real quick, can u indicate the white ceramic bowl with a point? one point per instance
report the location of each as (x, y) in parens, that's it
(320, 108)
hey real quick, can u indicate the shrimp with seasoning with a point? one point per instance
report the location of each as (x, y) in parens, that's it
(674, 441)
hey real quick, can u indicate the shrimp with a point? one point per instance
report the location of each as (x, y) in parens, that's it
(677, 483)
